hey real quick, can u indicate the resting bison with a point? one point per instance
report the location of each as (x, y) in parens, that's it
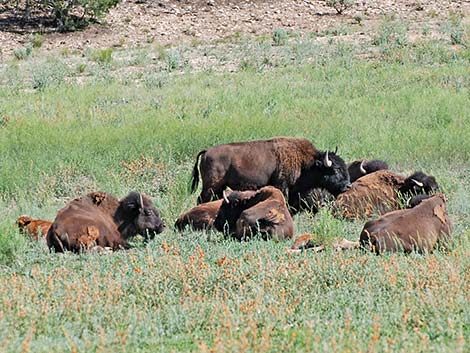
(361, 167)
(246, 213)
(100, 220)
(33, 227)
(419, 229)
(201, 217)
(379, 193)
(308, 242)
(292, 165)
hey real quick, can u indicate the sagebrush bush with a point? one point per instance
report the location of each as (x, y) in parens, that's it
(340, 5)
(280, 36)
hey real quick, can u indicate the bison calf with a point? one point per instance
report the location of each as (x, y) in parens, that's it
(100, 220)
(419, 229)
(33, 227)
(246, 213)
(201, 217)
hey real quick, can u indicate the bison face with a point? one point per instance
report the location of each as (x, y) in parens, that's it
(419, 183)
(234, 203)
(330, 172)
(140, 217)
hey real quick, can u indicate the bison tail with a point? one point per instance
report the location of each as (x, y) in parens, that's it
(195, 177)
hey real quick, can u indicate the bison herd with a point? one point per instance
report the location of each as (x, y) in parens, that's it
(254, 189)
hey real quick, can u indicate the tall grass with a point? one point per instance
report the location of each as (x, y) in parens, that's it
(196, 291)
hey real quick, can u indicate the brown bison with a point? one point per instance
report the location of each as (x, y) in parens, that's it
(379, 193)
(36, 228)
(246, 213)
(201, 217)
(419, 229)
(307, 241)
(100, 220)
(361, 167)
(292, 165)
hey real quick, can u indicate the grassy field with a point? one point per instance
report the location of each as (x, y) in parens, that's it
(72, 124)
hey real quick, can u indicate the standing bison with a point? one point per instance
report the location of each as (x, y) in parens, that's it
(379, 193)
(419, 229)
(292, 165)
(246, 213)
(99, 220)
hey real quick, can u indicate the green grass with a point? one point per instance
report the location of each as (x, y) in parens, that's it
(196, 291)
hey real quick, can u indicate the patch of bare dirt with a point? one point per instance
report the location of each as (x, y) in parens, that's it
(139, 22)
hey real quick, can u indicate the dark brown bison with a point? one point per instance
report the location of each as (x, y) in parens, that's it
(246, 213)
(100, 220)
(361, 167)
(200, 217)
(379, 193)
(419, 229)
(36, 228)
(292, 165)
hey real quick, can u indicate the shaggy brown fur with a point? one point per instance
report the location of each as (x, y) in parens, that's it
(33, 227)
(375, 193)
(280, 162)
(417, 229)
(250, 212)
(201, 217)
(100, 220)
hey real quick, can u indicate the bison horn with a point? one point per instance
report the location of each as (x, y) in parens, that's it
(336, 149)
(327, 162)
(141, 201)
(361, 167)
(225, 197)
(420, 184)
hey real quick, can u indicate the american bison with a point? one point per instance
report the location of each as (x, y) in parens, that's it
(292, 165)
(379, 193)
(33, 227)
(100, 220)
(418, 229)
(361, 167)
(307, 242)
(200, 217)
(246, 213)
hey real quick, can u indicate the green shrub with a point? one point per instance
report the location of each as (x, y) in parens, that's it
(173, 59)
(280, 36)
(340, 5)
(51, 72)
(37, 40)
(391, 35)
(23, 52)
(67, 14)
(102, 56)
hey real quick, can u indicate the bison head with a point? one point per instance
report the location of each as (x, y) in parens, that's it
(419, 183)
(328, 171)
(362, 167)
(234, 203)
(416, 200)
(136, 214)
(23, 221)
